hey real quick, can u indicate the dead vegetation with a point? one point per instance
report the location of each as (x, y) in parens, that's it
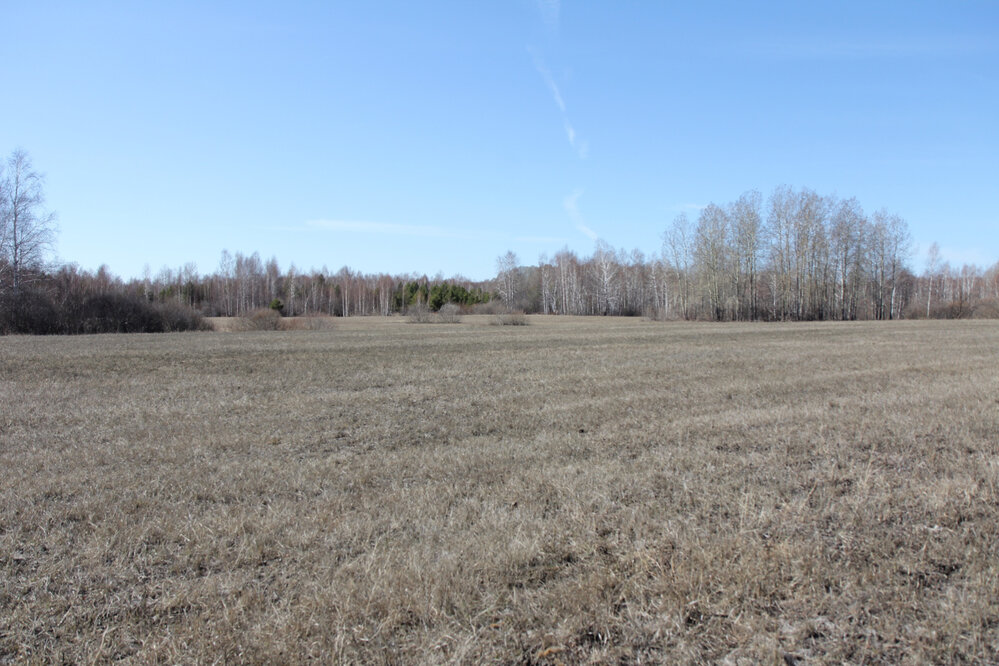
(580, 490)
(269, 320)
(513, 318)
(449, 313)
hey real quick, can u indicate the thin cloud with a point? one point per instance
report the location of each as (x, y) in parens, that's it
(571, 205)
(549, 10)
(581, 147)
(547, 76)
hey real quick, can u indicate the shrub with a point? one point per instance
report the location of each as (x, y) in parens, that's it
(35, 312)
(987, 309)
(120, 313)
(31, 312)
(263, 319)
(117, 313)
(181, 318)
(449, 313)
(951, 310)
(419, 314)
(516, 318)
(490, 308)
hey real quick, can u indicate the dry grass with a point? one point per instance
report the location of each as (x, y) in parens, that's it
(269, 320)
(573, 491)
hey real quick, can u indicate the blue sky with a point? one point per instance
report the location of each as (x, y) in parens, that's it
(433, 137)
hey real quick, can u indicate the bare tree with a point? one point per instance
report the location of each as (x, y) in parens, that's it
(780, 228)
(678, 247)
(890, 247)
(748, 239)
(658, 277)
(27, 231)
(291, 289)
(811, 254)
(932, 262)
(273, 279)
(226, 274)
(506, 268)
(637, 282)
(878, 260)
(567, 282)
(605, 275)
(710, 251)
(385, 286)
(899, 249)
(992, 280)
(547, 285)
(846, 239)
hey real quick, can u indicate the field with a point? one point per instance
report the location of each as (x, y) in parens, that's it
(574, 491)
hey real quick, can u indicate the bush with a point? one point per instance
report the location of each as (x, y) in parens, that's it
(952, 310)
(449, 313)
(263, 319)
(181, 318)
(31, 312)
(490, 308)
(986, 309)
(35, 312)
(419, 314)
(517, 318)
(117, 313)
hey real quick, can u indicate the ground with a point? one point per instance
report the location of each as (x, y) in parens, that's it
(575, 490)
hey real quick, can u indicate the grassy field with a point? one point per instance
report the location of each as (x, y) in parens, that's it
(576, 490)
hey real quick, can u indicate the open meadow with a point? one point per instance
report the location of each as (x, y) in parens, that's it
(594, 490)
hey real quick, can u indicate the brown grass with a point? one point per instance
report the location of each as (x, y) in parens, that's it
(596, 490)
(269, 320)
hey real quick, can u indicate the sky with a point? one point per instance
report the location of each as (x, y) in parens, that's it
(433, 137)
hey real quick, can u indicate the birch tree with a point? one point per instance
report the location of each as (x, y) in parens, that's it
(27, 230)
(899, 248)
(547, 285)
(506, 269)
(932, 262)
(677, 246)
(780, 220)
(747, 228)
(878, 260)
(605, 275)
(846, 227)
(710, 251)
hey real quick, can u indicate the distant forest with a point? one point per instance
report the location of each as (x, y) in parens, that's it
(796, 256)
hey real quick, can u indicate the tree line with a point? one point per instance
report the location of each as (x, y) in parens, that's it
(797, 255)
(68, 299)
(245, 283)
